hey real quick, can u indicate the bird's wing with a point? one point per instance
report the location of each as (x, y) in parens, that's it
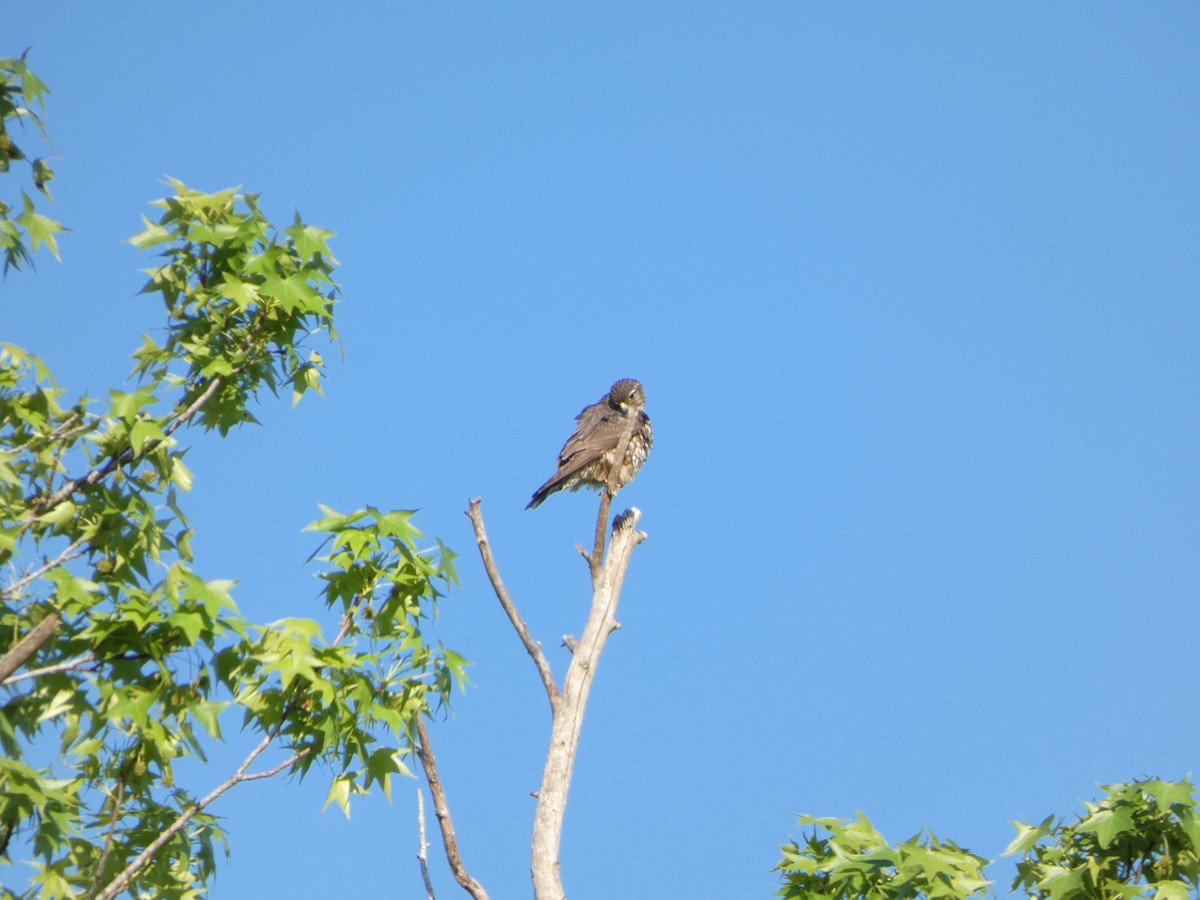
(599, 431)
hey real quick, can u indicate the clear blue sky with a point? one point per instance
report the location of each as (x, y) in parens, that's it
(914, 290)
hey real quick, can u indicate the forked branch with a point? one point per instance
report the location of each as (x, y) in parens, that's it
(569, 703)
(569, 711)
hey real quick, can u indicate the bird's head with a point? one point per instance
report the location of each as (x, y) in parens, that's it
(627, 394)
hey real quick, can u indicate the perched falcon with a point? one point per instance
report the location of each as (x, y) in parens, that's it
(590, 453)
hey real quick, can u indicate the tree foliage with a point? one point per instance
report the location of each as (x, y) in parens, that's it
(120, 664)
(850, 859)
(1141, 840)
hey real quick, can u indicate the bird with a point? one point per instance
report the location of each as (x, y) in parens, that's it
(587, 458)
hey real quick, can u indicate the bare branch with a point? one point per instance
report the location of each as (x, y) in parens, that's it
(80, 662)
(596, 558)
(275, 770)
(118, 801)
(71, 552)
(119, 883)
(18, 655)
(442, 810)
(475, 514)
(422, 852)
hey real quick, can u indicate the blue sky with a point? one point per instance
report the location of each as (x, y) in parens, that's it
(914, 292)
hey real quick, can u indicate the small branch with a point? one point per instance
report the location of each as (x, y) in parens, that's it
(442, 810)
(28, 645)
(475, 514)
(123, 458)
(596, 561)
(423, 847)
(119, 883)
(118, 801)
(348, 622)
(62, 430)
(79, 662)
(275, 770)
(71, 552)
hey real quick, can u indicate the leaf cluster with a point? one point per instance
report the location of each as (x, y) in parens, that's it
(1141, 840)
(851, 859)
(23, 230)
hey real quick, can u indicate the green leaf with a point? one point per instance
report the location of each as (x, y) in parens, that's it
(180, 474)
(1027, 836)
(60, 514)
(1172, 890)
(41, 229)
(1108, 824)
(310, 241)
(143, 432)
(339, 792)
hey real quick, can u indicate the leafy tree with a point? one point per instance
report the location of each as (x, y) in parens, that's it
(118, 661)
(1142, 840)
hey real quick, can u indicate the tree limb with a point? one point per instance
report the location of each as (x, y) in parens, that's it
(442, 810)
(19, 654)
(569, 711)
(475, 514)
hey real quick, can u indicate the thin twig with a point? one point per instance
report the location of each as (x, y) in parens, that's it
(442, 810)
(119, 883)
(118, 801)
(79, 662)
(475, 514)
(120, 459)
(71, 552)
(58, 432)
(275, 770)
(423, 847)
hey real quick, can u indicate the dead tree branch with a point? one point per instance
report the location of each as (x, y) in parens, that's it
(475, 514)
(442, 810)
(569, 711)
